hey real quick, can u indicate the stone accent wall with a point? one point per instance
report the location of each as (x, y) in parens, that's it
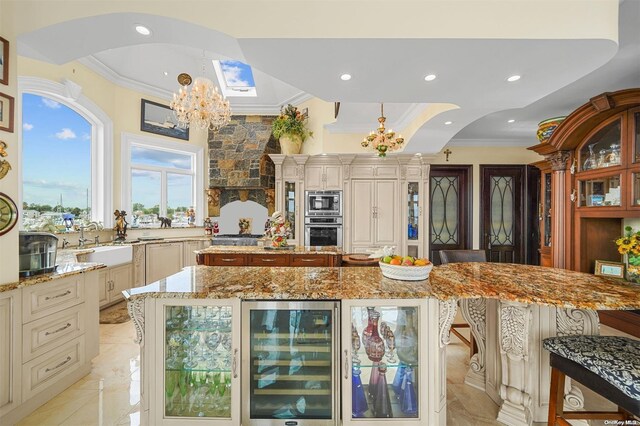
(238, 154)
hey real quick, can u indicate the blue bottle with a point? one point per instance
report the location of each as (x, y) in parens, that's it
(398, 379)
(358, 399)
(409, 400)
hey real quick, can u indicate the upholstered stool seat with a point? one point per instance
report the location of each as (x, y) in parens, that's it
(608, 365)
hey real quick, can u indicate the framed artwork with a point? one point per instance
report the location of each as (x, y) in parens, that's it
(160, 119)
(4, 61)
(6, 113)
(609, 269)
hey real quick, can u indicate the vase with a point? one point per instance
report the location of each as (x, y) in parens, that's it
(358, 398)
(406, 337)
(632, 268)
(373, 343)
(290, 144)
(409, 398)
(547, 127)
(279, 241)
(381, 399)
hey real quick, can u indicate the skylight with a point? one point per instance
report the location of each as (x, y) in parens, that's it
(235, 78)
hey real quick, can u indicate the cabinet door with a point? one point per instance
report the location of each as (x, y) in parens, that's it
(362, 221)
(387, 218)
(313, 177)
(333, 177)
(10, 360)
(198, 376)
(104, 285)
(163, 260)
(121, 279)
(384, 363)
(189, 255)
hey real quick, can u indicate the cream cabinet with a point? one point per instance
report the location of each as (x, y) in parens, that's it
(162, 260)
(323, 177)
(375, 214)
(387, 171)
(189, 248)
(112, 281)
(10, 359)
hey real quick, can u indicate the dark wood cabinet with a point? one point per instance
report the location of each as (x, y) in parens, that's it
(594, 160)
(275, 259)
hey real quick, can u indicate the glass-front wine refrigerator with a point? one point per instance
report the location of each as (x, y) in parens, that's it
(289, 359)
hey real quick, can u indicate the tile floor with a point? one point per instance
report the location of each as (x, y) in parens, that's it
(110, 395)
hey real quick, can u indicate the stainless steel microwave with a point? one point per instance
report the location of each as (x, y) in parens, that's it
(323, 203)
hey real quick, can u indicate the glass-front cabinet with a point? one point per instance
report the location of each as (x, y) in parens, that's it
(290, 363)
(290, 206)
(383, 376)
(413, 218)
(199, 363)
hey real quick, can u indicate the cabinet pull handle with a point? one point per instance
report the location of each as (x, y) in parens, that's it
(346, 364)
(58, 330)
(58, 295)
(268, 260)
(234, 366)
(59, 365)
(228, 260)
(307, 260)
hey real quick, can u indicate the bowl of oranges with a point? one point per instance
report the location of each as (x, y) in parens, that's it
(405, 268)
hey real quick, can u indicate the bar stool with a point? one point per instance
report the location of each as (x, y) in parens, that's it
(608, 365)
(456, 256)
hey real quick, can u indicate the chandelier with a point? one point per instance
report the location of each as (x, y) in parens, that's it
(201, 106)
(380, 141)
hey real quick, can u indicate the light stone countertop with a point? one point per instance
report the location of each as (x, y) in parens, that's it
(510, 282)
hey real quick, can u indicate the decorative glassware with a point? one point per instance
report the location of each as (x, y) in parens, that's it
(355, 345)
(373, 379)
(373, 343)
(590, 162)
(614, 155)
(381, 400)
(406, 337)
(409, 399)
(390, 339)
(398, 380)
(358, 398)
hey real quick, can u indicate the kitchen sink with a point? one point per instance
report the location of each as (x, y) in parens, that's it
(111, 255)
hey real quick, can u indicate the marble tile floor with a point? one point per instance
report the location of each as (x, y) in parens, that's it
(110, 395)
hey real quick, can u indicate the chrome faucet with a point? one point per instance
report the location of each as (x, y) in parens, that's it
(65, 243)
(82, 239)
(96, 240)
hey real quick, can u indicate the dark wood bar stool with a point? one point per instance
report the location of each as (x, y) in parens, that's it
(457, 256)
(608, 365)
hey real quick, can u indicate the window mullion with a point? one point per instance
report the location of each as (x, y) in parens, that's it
(163, 193)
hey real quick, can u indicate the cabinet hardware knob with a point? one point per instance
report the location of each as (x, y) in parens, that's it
(59, 365)
(235, 363)
(346, 364)
(58, 330)
(58, 295)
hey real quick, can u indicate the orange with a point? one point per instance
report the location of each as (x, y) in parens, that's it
(395, 261)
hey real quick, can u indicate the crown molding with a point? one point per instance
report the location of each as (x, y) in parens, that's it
(410, 114)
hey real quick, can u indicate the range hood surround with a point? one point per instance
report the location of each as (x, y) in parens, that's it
(239, 164)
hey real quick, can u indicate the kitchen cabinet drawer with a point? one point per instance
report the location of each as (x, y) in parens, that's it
(46, 370)
(45, 334)
(229, 260)
(268, 260)
(48, 298)
(311, 260)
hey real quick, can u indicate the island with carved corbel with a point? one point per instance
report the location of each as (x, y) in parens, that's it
(328, 345)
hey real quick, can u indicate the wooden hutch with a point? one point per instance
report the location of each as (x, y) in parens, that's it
(590, 184)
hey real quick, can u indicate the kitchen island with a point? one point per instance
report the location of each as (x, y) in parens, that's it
(392, 331)
(304, 256)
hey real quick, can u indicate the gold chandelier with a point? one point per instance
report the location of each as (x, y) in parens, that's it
(201, 106)
(380, 141)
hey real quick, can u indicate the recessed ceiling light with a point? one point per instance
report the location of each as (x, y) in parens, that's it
(417, 154)
(141, 29)
(448, 122)
(324, 153)
(345, 77)
(430, 77)
(511, 121)
(165, 73)
(513, 78)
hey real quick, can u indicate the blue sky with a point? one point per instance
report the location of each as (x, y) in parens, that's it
(56, 153)
(237, 74)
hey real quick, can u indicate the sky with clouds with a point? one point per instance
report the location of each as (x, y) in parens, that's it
(237, 74)
(56, 160)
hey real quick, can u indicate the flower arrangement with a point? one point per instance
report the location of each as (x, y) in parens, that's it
(290, 122)
(278, 229)
(629, 246)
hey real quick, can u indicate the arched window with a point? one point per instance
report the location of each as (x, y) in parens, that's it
(66, 161)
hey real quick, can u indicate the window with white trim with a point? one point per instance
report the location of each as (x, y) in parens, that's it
(161, 181)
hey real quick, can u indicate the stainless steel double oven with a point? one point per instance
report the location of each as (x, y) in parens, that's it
(323, 218)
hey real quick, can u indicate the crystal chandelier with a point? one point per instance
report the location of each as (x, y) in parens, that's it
(380, 141)
(201, 106)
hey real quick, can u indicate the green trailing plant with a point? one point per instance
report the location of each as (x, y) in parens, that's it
(290, 122)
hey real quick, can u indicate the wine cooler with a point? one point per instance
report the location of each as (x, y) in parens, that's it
(289, 358)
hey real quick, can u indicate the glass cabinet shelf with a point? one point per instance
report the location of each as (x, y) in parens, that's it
(635, 195)
(602, 149)
(600, 192)
(198, 361)
(384, 362)
(413, 210)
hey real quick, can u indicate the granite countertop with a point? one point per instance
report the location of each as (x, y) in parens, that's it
(520, 283)
(262, 250)
(65, 269)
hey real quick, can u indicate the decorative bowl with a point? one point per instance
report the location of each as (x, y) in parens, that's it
(406, 273)
(547, 127)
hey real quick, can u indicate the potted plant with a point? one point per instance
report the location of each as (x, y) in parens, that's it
(629, 246)
(290, 128)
